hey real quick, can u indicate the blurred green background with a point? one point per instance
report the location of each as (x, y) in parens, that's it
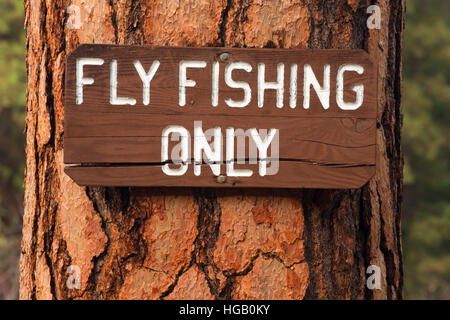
(12, 142)
(425, 141)
(426, 101)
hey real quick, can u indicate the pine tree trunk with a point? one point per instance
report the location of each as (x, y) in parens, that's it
(205, 243)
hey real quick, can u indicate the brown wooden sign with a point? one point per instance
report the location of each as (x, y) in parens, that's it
(221, 117)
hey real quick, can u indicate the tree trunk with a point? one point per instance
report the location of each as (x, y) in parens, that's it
(207, 243)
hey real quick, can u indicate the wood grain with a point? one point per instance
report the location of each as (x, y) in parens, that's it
(318, 148)
(291, 175)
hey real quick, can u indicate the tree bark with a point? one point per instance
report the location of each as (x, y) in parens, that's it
(201, 243)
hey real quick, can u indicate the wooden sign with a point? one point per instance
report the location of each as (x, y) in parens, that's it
(220, 117)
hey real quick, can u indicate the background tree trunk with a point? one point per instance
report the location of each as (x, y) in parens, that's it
(206, 243)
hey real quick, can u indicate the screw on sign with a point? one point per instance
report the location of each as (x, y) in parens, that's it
(245, 117)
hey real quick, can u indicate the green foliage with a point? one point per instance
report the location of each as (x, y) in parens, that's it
(426, 101)
(12, 158)
(12, 55)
